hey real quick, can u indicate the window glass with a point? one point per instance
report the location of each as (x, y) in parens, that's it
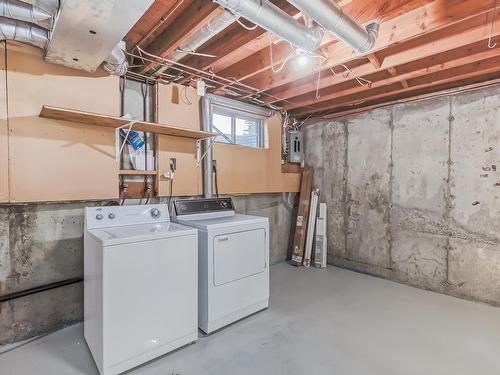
(247, 132)
(222, 124)
(238, 128)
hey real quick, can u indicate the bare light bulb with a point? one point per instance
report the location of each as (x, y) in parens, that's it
(302, 60)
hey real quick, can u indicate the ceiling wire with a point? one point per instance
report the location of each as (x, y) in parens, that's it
(242, 88)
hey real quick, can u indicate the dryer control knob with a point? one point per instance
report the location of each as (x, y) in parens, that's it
(155, 213)
(99, 216)
(111, 215)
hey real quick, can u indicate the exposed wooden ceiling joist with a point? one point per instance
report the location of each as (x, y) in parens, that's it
(423, 45)
(184, 26)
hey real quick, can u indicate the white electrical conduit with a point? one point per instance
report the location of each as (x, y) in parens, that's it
(268, 16)
(332, 18)
(19, 11)
(23, 32)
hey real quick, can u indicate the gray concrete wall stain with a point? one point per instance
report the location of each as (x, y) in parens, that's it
(422, 208)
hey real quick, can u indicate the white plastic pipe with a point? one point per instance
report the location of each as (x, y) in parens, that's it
(270, 17)
(332, 18)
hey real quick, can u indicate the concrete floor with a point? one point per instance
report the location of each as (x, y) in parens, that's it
(329, 321)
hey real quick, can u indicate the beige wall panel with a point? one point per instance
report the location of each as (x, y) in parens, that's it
(182, 114)
(241, 169)
(54, 160)
(251, 170)
(4, 145)
(188, 177)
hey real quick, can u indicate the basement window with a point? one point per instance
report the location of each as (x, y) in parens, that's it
(238, 128)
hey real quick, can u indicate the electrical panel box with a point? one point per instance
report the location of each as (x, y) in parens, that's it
(296, 148)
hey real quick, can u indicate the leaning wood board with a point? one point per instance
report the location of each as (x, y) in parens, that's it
(89, 118)
(302, 217)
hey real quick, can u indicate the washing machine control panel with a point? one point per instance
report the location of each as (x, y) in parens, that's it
(100, 217)
(206, 205)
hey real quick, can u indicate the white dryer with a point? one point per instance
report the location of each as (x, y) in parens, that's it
(233, 259)
(140, 285)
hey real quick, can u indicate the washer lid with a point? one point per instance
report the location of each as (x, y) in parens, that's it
(142, 232)
(223, 222)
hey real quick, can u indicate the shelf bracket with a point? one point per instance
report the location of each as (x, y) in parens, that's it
(120, 146)
(199, 156)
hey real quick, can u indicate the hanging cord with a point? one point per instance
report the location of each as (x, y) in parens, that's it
(362, 81)
(272, 57)
(170, 192)
(214, 169)
(184, 97)
(490, 38)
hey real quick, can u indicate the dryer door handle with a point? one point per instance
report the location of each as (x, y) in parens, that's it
(225, 238)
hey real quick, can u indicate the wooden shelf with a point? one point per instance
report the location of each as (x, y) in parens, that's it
(89, 118)
(134, 172)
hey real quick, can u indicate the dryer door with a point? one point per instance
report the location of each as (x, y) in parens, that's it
(239, 255)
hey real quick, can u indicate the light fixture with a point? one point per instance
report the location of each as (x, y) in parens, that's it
(303, 58)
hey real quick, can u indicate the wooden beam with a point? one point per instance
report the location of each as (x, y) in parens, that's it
(413, 24)
(158, 16)
(184, 26)
(362, 10)
(374, 60)
(455, 36)
(467, 58)
(457, 74)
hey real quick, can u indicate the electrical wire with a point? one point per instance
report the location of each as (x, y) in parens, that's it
(184, 97)
(249, 28)
(272, 58)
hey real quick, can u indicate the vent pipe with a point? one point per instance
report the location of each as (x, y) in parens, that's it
(268, 16)
(23, 32)
(332, 18)
(17, 10)
(116, 63)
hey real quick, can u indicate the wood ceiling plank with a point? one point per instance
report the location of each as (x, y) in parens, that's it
(363, 11)
(465, 56)
(450, 47)
(453, 75)
(184, 26)
(420, 21)
(237, 37)
(454, 36)
(152, 19)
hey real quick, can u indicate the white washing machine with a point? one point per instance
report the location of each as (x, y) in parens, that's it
(140, 285)
(233, 259)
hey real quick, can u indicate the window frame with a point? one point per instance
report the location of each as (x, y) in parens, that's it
(235, 115)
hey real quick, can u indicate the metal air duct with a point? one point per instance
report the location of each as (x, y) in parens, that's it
(23, 32)
(116, 63)
(270, 17)
(332, 18)
(20, 11)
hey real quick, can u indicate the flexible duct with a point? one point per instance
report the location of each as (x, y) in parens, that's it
(23, 32)
(20, 11)
(332, 18)
(270, 17)
(116, 63)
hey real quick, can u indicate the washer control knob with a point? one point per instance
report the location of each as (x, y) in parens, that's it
(155, 213)
(111, 215)
(223, 204)
(99, 216)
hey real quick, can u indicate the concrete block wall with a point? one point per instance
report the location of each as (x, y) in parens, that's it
(413, 192)
(43, 243)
